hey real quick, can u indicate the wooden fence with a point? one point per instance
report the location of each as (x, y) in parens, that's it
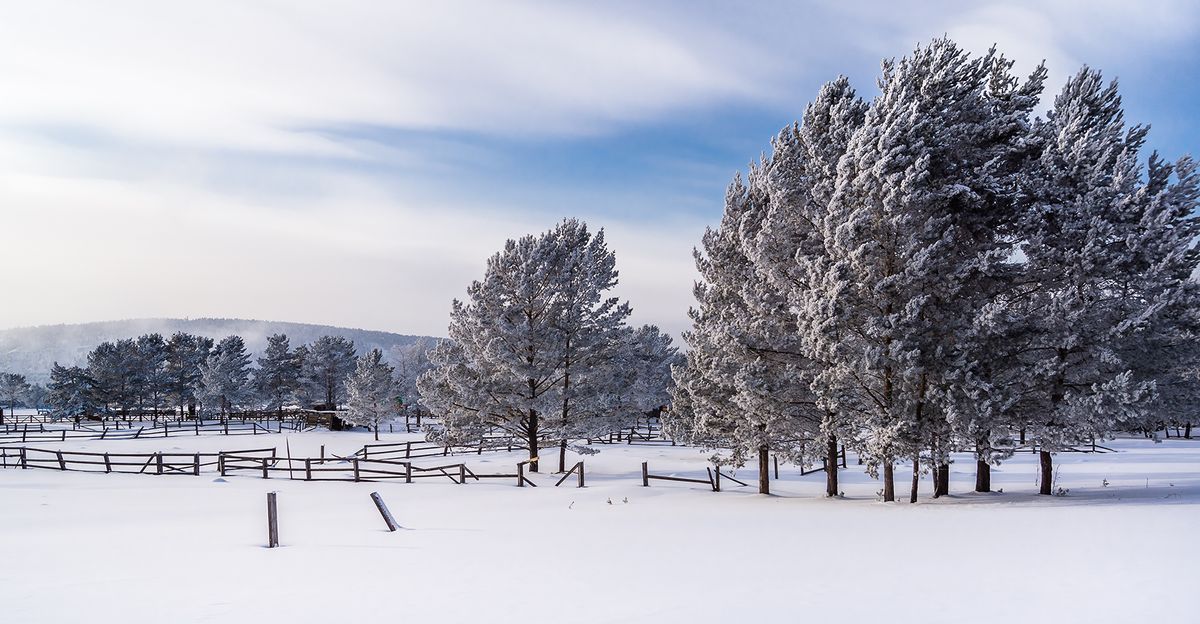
(128, 463)
(26, 433)
(713, 481)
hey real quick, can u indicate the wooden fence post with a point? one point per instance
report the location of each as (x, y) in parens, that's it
(521, 475)
(196, 465)
(383, 511)
(272, 521)
(221, 462)
(23, 464)
(356, 477)
(265, 474)
(645, 475)
(107, 463)
(776, 458)
(158, 460)
(62, 465)
(408, 472)
(462, 474)
(581, 473)
(308, 469)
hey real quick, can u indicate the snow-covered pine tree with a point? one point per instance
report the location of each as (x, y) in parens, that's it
(745, 386)
(185, 355)
(327, 362)
(589, 328)
(70, 392)
(525, 329)
(790, 253)
(915, 241)
(1108, 251)
(225, 377)
(277, 374)
(113, 368)
(151, 376)
(371, 392)
(411, 361)
(13, 388)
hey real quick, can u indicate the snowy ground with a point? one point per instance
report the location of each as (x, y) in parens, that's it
(143, 548)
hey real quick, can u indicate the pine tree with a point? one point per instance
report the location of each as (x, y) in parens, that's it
(327, 362)
(185, 355)
(517, 362)
(113, 366)
(151, 375)
(13, 388)
(278, 373)
(225, 377)
(371, 392)
(71, 392)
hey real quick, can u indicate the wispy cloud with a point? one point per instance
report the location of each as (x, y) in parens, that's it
(356, 164)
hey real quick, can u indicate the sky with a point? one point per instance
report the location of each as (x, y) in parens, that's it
(355, 163)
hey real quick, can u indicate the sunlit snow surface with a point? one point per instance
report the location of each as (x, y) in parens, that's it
(143, 548)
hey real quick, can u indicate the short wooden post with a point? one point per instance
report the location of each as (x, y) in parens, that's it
(221, 462)
(408, 472)
(408, 449)
(272, 521)
(581, 474)
(521, 475)
(308, 469)
(462, 474)
(776, 459)
(107, 463)
(24, 465)
(265, 474)
(645, 475)
(322, 453)
(383, 511)
(62, 465)
(158, 462)
(356, 476)
(196, 466)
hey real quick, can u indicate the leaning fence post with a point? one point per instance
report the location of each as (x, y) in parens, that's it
(383, 511)
(272, 521)
(645, 475)
(62, 465)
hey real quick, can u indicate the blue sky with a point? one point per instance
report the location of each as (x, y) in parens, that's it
(355, 164)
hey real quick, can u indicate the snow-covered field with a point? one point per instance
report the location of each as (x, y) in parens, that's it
(143, 548)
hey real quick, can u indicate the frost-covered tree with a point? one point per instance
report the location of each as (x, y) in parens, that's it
(225, 377)
(411, 361)
(278, 373)
(71, 392)
(151, 375)
(113, 367)
(1108, 248)
(13, 388)
(589, 329)
(519, 346)
(186, 353)
(371, 392)
(915, 245)
(327, 362)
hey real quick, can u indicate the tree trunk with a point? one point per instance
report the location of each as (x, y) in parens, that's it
(942, 487)
(1047, 474)
(562, 456)
(764, 470)
(532, 433)
(1022, 436)
(916, 480)
(831, 466)
(1187, 431)
(889, 483)
(983, 476)
(376, 433)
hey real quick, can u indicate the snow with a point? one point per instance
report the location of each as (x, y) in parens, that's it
(144, 548)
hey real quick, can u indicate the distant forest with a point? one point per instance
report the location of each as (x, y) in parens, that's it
(31, 351)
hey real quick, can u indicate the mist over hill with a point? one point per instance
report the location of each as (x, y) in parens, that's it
(32, 350)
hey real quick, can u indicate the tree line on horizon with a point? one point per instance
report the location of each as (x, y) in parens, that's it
(186, 373)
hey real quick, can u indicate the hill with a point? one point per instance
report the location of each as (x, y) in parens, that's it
(32, 350)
